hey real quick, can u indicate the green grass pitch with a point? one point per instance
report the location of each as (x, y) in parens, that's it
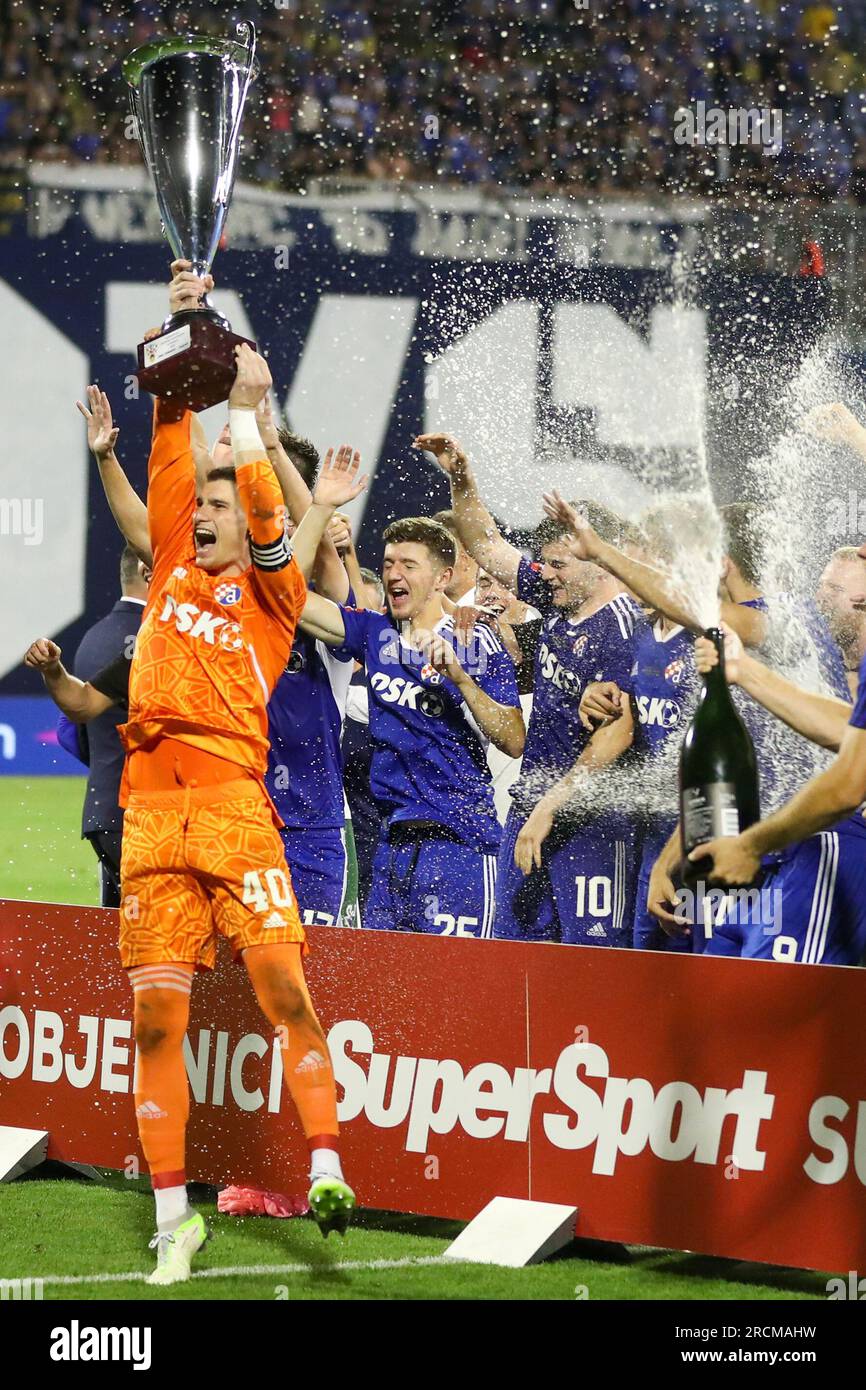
(59, 1230)
(62, 1229)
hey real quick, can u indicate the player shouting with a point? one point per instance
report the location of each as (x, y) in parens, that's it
(201, 850)
(434, 704)
(579, 893)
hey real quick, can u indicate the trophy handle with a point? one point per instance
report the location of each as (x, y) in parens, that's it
(247, 32)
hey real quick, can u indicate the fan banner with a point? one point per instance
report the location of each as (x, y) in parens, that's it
(710, 1105)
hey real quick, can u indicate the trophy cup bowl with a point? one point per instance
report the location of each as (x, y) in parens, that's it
(187, 95)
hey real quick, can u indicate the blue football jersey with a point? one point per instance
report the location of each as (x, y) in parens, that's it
(798, 645)
(663, 685)
(429, 760)
(305, 721)
(858, 713)
(571, 653)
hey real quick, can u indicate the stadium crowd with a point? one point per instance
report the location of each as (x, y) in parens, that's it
(544, 95)
(467, 656)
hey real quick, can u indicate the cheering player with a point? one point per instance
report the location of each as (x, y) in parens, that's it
(201, 849)
(820, 877)
(587, 632)
(433, 705)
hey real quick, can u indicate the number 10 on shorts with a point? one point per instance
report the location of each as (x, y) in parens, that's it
(594, 894)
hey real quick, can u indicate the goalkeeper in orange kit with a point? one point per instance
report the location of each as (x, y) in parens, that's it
(201, 849)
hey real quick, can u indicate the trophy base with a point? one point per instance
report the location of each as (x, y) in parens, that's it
(192, 361)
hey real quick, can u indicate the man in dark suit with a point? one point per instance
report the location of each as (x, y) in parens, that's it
(112, 637)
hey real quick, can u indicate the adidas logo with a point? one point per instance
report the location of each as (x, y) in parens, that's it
(311, 1062)
(597, 930)
(178, 573)
(274, 920)
(149, 1110)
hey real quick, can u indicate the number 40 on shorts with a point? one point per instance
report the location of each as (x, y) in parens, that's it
(262, 891)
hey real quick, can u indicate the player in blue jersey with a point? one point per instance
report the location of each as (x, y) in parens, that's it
(652, 704)
(811, 905)
(305, 717)
(577, 891)
(841, 600)
(433, 706)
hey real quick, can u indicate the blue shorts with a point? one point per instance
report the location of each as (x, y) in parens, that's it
(582, 896)
(437, 886)
(648, 932)
(810, 907)
(321, 865)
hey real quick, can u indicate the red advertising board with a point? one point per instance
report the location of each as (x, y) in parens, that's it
(700, 1104)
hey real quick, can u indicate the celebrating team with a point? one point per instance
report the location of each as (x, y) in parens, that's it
(256, 625)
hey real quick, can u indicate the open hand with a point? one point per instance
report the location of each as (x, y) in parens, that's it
(527, 848)
(101, 430)
(340, 480)
(582, 538)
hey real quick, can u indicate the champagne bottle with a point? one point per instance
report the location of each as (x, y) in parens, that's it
(718, 769)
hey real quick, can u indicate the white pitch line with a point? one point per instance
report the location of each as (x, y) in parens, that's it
(251, 1271)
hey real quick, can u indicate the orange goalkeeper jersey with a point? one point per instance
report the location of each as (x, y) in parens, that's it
(210, 649)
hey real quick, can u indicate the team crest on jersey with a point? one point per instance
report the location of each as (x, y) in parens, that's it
(674, 672)
(429, 673)
(580, 645)
(178, 573)
(227, 593)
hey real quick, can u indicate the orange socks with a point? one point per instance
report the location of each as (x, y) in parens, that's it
(277, 977)
(161, 1091)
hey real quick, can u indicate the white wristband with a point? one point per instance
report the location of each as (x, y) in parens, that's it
(245, 432)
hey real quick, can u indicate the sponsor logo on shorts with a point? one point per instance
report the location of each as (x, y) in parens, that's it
(275, 919)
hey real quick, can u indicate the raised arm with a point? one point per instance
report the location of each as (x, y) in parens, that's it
(127, 508)
(78, 700)
(323, 620)
(479, 534)
(833, 794)
(821, 718)
(329, 572)
(652, 586)
(836, 424)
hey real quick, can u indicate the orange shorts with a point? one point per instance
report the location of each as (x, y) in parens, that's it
(198, 861)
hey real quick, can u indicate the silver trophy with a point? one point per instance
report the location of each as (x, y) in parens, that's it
(187, 95)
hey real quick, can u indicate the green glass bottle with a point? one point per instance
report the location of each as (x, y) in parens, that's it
(718, 770)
